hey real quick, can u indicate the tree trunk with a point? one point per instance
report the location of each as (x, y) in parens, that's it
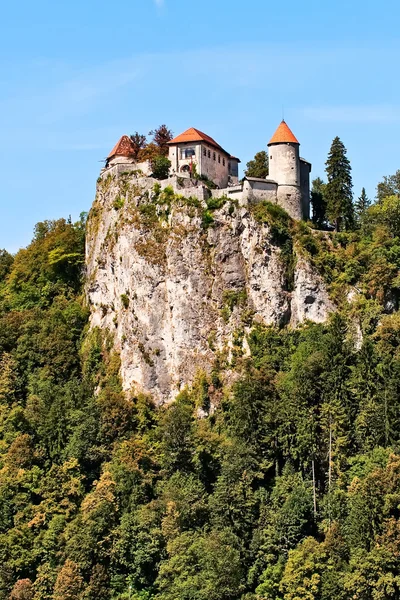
(314, 492)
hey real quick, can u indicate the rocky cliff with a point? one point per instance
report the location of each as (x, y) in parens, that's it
(180, 283)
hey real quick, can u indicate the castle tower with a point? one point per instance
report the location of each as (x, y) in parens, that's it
(285, 169)
(123, 152)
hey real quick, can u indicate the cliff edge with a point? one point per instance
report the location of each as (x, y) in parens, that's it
(180, 281)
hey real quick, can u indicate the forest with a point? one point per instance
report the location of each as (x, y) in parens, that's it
(287, 489)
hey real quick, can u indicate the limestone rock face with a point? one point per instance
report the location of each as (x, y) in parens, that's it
(310, 300)
(177, 289)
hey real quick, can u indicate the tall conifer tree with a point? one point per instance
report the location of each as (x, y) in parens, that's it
(338, 192)
(361, 205)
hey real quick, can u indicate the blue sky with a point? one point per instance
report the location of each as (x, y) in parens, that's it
(76, 75)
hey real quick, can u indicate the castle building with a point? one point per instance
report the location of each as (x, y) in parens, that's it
(122, 152)
(195, 151)
(290, 172)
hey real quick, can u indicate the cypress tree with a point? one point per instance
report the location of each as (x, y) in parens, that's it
(338, 192)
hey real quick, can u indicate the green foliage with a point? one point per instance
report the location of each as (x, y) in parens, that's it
(338, 191)
(210, 184)
(361, 207)
(202, 566)
(274, 216)
(160, 166)
(216, 203)
(6, 261)
(367, 260)
(259, 166)
(125, 300)
(50, 266)
(232, 298)
(318, 203)
(207, 219)
(118, 203)
(277, 479)
(390, 186)
(385, 213)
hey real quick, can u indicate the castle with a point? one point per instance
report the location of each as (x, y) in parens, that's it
(194, 154)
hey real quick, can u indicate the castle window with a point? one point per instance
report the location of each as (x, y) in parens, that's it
(205, 151)
(209, 154)
(219, 158)
(223, 162)
(214, 156)
(187, 152)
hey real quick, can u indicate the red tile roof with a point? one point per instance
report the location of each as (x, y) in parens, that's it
(283, 135)
(194, 135)
(124, 147)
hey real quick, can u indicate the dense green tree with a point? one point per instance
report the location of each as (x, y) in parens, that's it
(160, 166)
(275, 476)
(390, 186)
(258, 166)
(361, 206)
(176, 430)
(318, 202)
(202, 567)
(6, 261)
(338, 191)
(385, 213)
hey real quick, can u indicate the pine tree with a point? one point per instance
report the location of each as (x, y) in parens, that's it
(259, 166)
(338, 193)
(360, 206)
(318, 202)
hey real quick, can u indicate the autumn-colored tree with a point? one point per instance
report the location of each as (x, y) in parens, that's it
(161, 136)
(139, 142)
(69, 584)
(22, 590)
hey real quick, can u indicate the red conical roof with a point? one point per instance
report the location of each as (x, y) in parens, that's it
(124, 147)
(283, 135)
(195, 135)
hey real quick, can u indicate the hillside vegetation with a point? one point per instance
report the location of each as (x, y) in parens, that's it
(288, 488)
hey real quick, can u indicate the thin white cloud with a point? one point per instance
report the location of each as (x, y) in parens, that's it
(379, 113)
(159, 3)
(62, 97)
